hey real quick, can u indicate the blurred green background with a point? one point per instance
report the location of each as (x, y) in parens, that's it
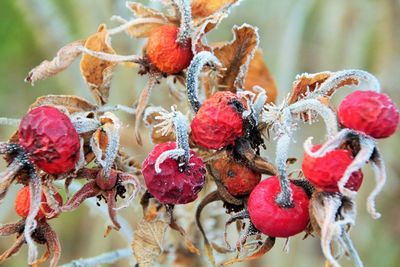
(296, 36)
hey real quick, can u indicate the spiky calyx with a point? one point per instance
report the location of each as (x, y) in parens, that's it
(218, 123)
(165, 52)
(49, 139)
(174, 184)
(325, 172)
(22, 204)
(270, 218)
(238, 179)
(370, 112)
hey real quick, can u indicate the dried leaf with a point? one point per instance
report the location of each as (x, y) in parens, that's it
(259, 75)
(147, 241)
(204, 8)
(267, 246)
(306, 82)
(96, 72)
(235, 56)
(150, 120)
(69, 102)
(65, 56)
(148, 20)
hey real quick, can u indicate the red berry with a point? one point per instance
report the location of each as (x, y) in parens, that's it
(237, 178)
(325, 172)
(173, 185)
(22, 204)
(270, 218)
(370, 112)
(218, 122)
(50, 140)
(165, 53)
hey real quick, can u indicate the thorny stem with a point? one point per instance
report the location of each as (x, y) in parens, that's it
(185, 29)
(193, 73)
(111, 57)
(285, 197)
(337, 78)
(10, 122)
(380, 177)
(105, 258)
(138, 21)
(30, 223)
(326, 113)
(367, 146)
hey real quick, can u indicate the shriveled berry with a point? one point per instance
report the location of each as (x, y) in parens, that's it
(22, 204)
(325, 172)
(173, 185)
(238, 179)
(370, 112)
(50, 140)
(270, 218)
(218, 122)
(165, 52)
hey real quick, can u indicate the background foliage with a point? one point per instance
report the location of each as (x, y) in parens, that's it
(296, 36)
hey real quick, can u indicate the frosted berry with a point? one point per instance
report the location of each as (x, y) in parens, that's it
(218, 122)
(270, 218)
(174, 184)
(49, 139)
(165, 52)
(238, 179)
(325, 172)
(22, 204)
(370, 112)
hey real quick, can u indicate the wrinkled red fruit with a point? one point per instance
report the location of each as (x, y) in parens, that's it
(218, 122)
(165, 53)
(271, 219)
(50, 140)
(325, 172)
(370, 112)
(237, 178)
(172, 186)
(22, 204)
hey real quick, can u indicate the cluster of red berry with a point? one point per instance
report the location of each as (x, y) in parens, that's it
(223, 142)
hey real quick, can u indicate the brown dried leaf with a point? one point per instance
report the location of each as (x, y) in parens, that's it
(96, 72)
(267, 246)
(65, 56)
(259, 75)
(147, 241)
(204, 8)
(235, 56)
(71, 103)
(148, 20)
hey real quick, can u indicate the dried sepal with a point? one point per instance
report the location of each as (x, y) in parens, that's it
(97, 72)
(188, 243)
(306, 83)
(150, 115)
(205, 8)
(259, 75)
(65, 56)
(148, 240)
(236, 55)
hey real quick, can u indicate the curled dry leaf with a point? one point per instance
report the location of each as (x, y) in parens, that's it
(147, 241)
(235, 56)
(150, 120)
(204, 8)
(96, 72)
(147, 20)
(69, 102)
(259, 75)
(65, 56)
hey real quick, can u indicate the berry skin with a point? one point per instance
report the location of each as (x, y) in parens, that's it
(271, 219)
(325, 172)
(218, 122)
(370, 112)
(50, 140)
(22, 204)
(165, 53)
(237, 178)
(172, 185)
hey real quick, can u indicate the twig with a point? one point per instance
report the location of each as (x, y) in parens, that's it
(105, 258)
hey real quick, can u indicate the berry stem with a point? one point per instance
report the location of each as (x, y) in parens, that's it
(351, 250)
(127, 24)
(185, 29)
(193, 73)
(111, 57)
(182, 136)
(10, 122)
(285, 197)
